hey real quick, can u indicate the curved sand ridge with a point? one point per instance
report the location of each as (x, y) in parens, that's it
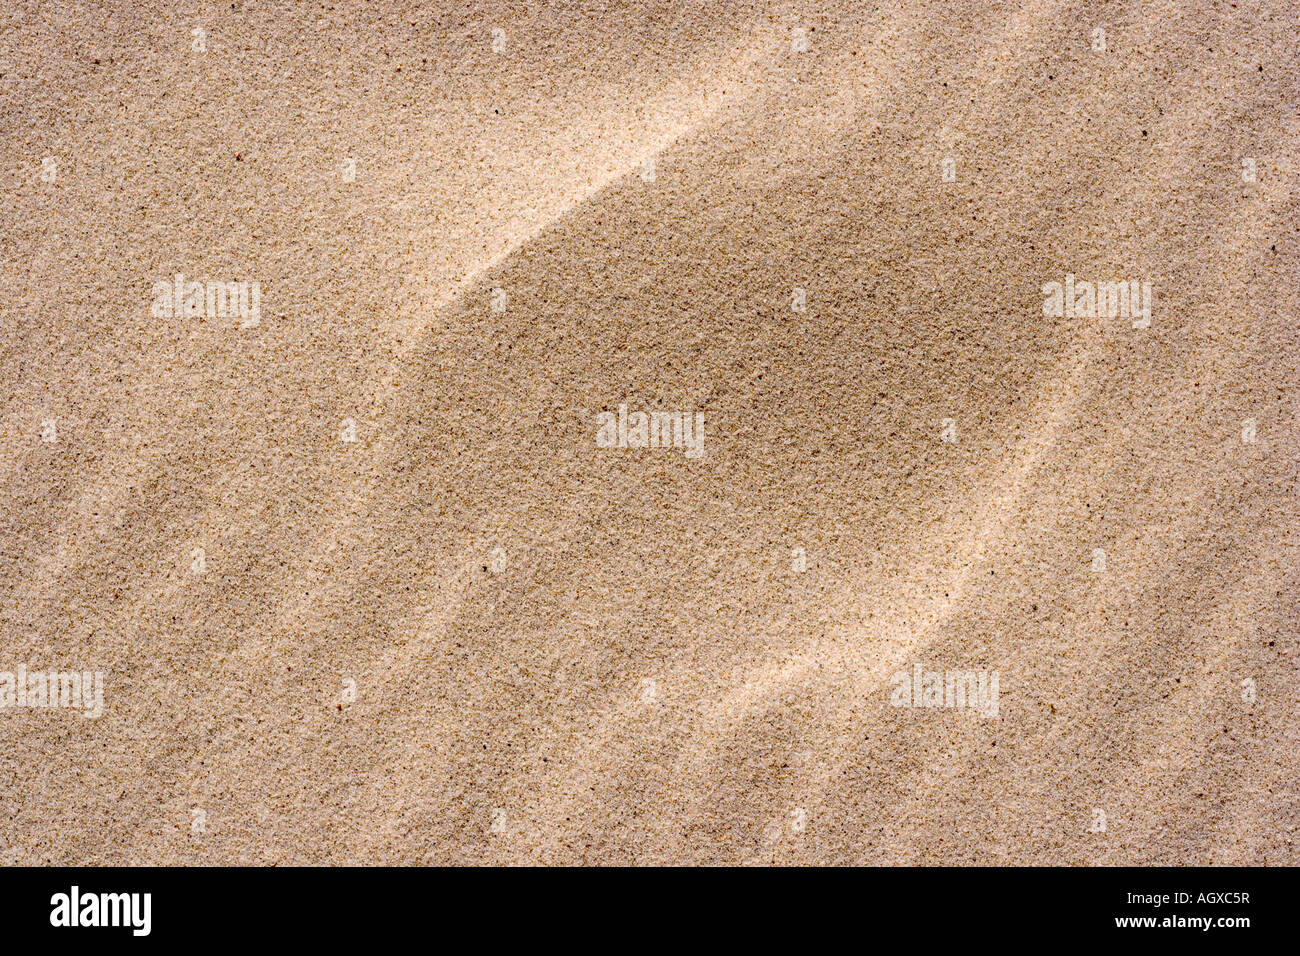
(644, 677)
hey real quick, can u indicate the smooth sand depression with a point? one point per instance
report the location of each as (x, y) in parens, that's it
(968, 568)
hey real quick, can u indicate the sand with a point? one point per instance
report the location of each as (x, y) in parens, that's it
(363, 586)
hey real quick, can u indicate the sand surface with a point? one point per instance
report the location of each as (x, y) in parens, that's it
(472, 635)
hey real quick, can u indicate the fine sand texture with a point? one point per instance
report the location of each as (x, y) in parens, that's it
(364, 583)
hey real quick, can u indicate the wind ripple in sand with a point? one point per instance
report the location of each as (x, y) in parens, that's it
(645, 679)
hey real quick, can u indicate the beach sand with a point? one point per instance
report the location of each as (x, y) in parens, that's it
(363, 586)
